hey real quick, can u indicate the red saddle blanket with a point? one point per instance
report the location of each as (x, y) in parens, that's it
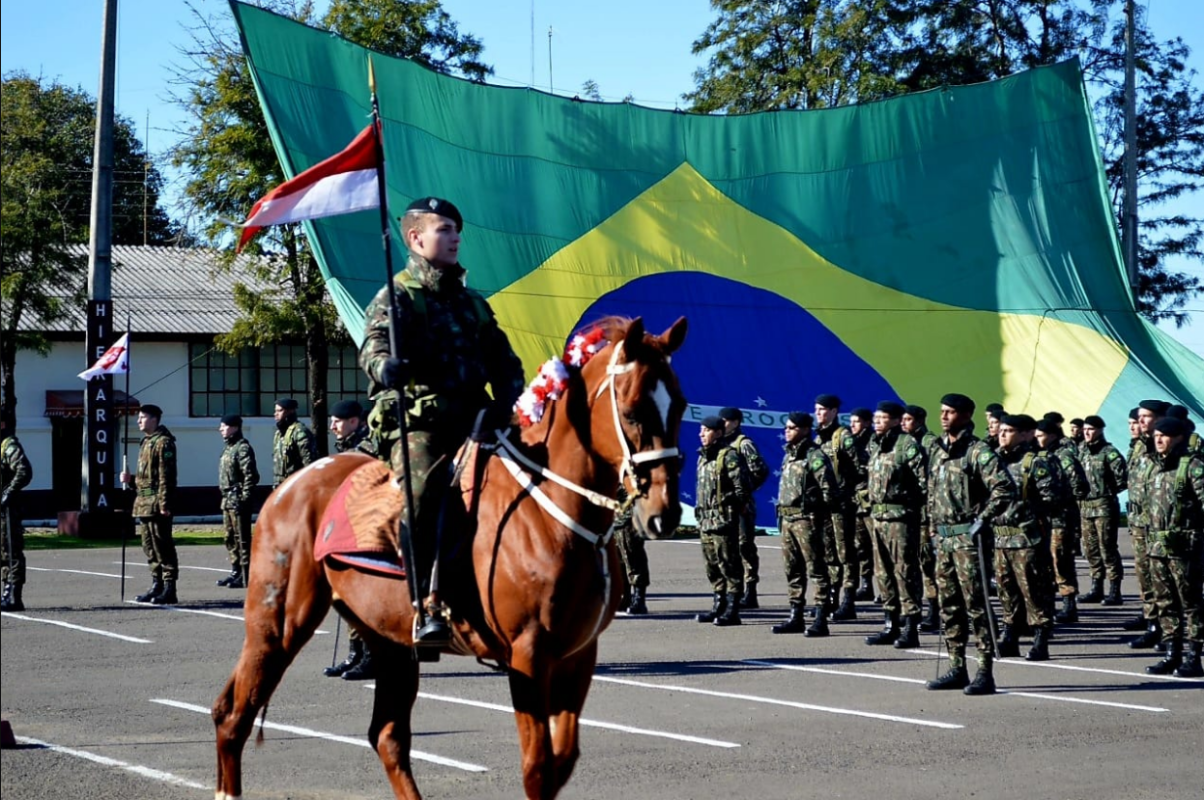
(360, 525)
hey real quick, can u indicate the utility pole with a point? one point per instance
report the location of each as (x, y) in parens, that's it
(532, 44)
(1129, 210)
(550, 89)
(98, 491)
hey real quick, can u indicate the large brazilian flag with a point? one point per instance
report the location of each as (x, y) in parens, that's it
(958, 240)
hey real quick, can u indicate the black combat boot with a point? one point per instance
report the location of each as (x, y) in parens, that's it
(749, 600)
(12, 598)
(716, 609)
(864, 590)
(820, 626)
(234, 575)
(1070, 610)
(1138, 623)
(1009, 645)
(889, 633)
(731, 613)
(984, 681)
(1148, 639)
(156, 588)
(1190, 668)
(1113, 598)
(1172, 660)
(167, 597)
(364, 669)
(932, 620)
(956, 677)
(1096, 594)
(910, 635)
(638, 606)
(847, 610)
(795, 623)
(236, 581)
(354, 654)
(1040, 648)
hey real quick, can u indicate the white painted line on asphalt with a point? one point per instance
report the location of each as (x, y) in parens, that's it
(1057, 698)
(186, 566)
(588, 723)
(76, 627)
(80, 572)
(334, 737)
(1053, 665)
(146, 772)
(789, 703)
(203, 612)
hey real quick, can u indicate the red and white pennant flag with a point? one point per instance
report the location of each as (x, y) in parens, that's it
(114, 361)
(341, 184)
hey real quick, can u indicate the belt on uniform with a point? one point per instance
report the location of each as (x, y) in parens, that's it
(147, 492)
(945, 531)
(1005, 530)
(888, 508)
(1097, 502)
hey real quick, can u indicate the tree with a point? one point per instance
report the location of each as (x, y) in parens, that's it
(229, 160)
(766, 55)
(48, 133)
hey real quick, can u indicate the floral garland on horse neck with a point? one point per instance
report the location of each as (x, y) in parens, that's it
(553, 377)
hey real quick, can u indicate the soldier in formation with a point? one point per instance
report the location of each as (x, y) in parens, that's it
(838, 444)
(154, 505)
(237, 477)
(723, 488)
(1061, 522)
(634, 558)
(15, 475)
(293, 445)
(1107, 476)
(861, 425)
(758, 471)
(915, 423)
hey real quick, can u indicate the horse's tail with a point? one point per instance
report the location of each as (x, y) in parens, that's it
(263, 716)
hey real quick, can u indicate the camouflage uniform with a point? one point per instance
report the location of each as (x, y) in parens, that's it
(452, 347)
(723, 490)
(1141, 464)
(293, 449)
(1064, 521)
(898, 489)
(967, 481)
(15, 475)
(807, 489)
(1107, 476)
(237, 477)
(1174, 507)
(758, 471)
(154, 502)
(840, 447)
(359, 440)
(631, 545)
(862, 535)
(1022, 567)
(929, 441)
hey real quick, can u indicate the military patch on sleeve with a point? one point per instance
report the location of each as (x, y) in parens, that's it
(912, 451)
(1113, 455)
(817, 463)
(1198, 471)
(169, 453)
(984, 457)
(1042, 472)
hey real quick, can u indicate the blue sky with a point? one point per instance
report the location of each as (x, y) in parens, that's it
(632, 47)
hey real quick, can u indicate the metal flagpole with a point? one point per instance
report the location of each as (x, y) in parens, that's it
(125, 449)
(407, 528)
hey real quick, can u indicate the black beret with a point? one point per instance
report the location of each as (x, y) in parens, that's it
(1177, 411)
(1047, 426)
(828, 401)
(992, 408)
(714, 422)
(437, 205)
(891, 408)
(346, 409)
(287, 403)
(1171, 426)
(958, 402)
(919, 412)
(1078, 421)
(1022, 422)
(152, 410)
(861, 413)
(1094, 421)
(1159, 407)
(233, 420)
(1133, 413)
(800, 418)
(734, 414)
(1055, 417)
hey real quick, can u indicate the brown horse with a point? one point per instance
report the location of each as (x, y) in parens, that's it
(532, 590)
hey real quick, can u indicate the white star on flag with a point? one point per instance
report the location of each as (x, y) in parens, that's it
(761, 402)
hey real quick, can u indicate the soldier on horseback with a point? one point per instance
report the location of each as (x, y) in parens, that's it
(448, 347)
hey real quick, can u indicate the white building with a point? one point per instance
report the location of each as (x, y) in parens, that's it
(177, 303)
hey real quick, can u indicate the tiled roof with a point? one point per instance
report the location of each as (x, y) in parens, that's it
(166, 290)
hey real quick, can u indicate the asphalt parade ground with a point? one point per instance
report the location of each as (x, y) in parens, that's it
(110, 700)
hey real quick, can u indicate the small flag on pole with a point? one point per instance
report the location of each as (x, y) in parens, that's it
(344, 183)
(114, 361)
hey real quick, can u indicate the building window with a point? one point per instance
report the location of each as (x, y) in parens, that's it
(250, 382)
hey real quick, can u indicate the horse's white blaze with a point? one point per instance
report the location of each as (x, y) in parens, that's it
(662, 399)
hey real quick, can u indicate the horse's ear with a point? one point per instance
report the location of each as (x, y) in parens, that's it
(674, 336)
(635, 332)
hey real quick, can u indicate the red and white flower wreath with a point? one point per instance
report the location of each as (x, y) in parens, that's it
(553, 377)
